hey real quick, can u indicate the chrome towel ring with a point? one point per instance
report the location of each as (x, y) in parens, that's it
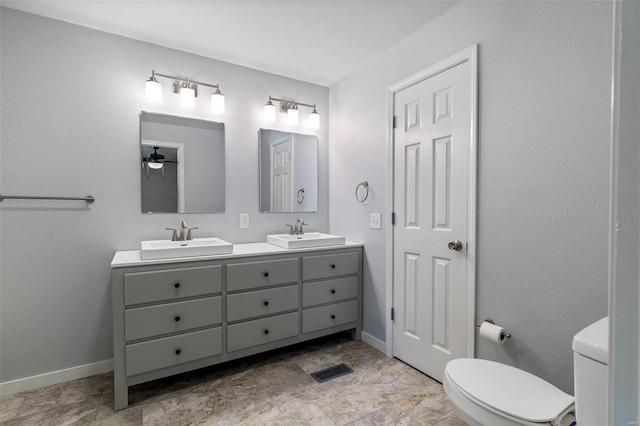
(365, 189)
(300, 196)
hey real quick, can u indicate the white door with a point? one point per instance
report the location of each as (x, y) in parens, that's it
(281, 176)
(431, 201)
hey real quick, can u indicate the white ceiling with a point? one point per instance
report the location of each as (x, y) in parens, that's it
(316, 41)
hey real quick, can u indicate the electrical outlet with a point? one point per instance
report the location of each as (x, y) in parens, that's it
(375, 221)
(244, 221)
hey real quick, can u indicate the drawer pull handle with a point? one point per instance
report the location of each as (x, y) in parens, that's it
(333, 317)
(177, 285)
(266, 303)
(266, 274)
(333, 266)
(178, 351)
(266, 331)
(333, 291)
(177, 318)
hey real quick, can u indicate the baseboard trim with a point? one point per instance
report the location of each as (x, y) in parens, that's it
(374, 342)
(55, 377)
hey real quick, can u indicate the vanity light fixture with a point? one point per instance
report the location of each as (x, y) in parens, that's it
(153, 90)
(291, 108)
(270, 112)
(187, 89)
(292, 115)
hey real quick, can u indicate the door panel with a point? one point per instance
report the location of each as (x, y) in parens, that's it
(431, 170)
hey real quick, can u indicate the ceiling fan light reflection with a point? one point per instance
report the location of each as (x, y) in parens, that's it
(154, 165)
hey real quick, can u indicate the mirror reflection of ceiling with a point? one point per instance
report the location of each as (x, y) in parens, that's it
(183, 164)
(318, 53)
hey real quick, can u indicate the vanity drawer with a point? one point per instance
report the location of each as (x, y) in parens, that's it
(171, 317)
(169, 351)
(261, 302)
(258, 332)
(329, 316)
(327, 266)
(245, 276)
(154, 286)
(319, 292)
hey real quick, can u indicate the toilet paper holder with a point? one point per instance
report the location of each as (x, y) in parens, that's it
(504, 333)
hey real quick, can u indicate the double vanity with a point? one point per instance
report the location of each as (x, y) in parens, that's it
(177, 314)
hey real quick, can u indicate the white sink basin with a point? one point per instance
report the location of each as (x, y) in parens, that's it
(166, 249)
(310, 239)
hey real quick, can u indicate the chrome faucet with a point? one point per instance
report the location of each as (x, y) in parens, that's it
(297, 228)
(184, 236)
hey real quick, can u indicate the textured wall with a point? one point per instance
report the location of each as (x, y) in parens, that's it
(71, 100)
(543, 179)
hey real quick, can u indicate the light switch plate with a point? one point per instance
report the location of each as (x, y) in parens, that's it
(375, 221)
(244, 221)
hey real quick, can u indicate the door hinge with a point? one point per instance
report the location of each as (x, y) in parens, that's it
(395, 121)
(393, 218)
(393, 314)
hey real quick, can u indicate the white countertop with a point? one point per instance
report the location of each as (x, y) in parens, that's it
(132, 257)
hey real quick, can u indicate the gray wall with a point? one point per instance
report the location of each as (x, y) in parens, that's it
(70, 106)
(543, 179)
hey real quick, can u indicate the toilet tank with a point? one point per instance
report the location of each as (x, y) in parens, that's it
(590, 373)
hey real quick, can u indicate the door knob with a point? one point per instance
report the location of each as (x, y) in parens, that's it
(455, 245)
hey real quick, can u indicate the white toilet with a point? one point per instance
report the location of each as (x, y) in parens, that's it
(490, 393)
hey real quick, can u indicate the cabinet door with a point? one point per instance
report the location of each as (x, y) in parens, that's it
(329, 266)
(329, 316)
(327, 291)
(155, 286)
(262, 302)
(257, 332)
(249, 275)
(168, 318)
(169, 351)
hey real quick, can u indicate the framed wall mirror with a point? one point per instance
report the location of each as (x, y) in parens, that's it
(182, 164)
(288, 172)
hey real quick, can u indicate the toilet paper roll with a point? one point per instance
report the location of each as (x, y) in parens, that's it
(492, 333)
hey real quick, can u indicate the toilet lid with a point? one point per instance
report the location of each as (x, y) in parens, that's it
(509, 390)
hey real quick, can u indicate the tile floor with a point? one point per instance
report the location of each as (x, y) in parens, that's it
(271, 389)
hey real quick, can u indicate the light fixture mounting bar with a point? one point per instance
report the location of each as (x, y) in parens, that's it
(287, 103)
(178, 81)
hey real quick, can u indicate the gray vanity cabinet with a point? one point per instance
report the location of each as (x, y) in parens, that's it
(175, 316)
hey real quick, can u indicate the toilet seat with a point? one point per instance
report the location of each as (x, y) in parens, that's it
(509, 392)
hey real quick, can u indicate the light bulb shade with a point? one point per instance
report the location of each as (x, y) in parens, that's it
(153, 91)
(314, 120)
(270, 113)
(187, 98)
(292, 116)
(217, 103)
(154, 165)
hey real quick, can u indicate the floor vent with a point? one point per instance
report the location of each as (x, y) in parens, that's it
(331, 373)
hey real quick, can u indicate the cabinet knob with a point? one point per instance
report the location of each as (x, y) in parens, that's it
(178, 351)
(266, 303)
(333, 266)
(266, 331)
(333, 317)
(266, 274)
(333, 291)
(177, 285)
(177, 318)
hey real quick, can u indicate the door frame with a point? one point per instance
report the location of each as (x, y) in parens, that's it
(470, 55)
